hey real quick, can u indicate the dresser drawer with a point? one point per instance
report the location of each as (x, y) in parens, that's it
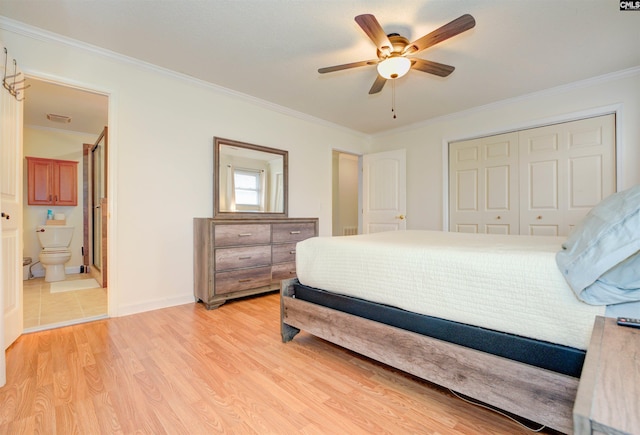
(242, 234)
(292, 232)
(246, 256)
(285, 253)
(283, 271)
(239, 257)
(243, 279)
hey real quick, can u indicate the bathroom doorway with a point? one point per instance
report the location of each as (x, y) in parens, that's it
(58, 121)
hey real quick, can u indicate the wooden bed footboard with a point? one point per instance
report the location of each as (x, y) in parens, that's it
(537, 394)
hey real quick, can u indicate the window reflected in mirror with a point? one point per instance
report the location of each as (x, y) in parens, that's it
(250, 179)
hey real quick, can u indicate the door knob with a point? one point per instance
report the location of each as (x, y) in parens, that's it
(5, 215)
(401, 217)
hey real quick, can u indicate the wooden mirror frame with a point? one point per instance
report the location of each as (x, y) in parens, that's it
(220, 214)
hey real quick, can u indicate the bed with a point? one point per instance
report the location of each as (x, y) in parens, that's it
(503, 319)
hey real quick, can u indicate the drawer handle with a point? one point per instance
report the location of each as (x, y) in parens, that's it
(292, 252)
(294, 232)
(247, 257)
(244, 280)
(244, 234)
(292, 272)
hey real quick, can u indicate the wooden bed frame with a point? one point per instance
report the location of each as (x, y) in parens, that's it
(537, 394)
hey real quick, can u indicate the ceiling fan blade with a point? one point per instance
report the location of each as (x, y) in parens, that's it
(347, 66)
(455, 27)
(374, 31)
(430, 67)
(377, 85)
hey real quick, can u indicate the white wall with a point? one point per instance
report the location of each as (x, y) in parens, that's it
(161, 129)
(426, 144)
(53, 144)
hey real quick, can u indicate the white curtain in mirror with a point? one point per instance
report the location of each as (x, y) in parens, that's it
(229, 200)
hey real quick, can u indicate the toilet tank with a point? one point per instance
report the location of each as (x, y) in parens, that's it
(54, 236)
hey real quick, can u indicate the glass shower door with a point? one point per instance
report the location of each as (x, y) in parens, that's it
(96, 200)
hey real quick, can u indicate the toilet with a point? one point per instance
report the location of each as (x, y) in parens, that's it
(55, 241)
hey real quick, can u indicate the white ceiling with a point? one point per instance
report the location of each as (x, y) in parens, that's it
(271, 49)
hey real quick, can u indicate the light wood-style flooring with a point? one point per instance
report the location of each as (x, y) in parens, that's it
(186, 370)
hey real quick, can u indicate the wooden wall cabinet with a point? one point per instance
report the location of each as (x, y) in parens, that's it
(236, 258)
(52, 182)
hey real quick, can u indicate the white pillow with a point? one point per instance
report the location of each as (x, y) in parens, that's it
(601, 244)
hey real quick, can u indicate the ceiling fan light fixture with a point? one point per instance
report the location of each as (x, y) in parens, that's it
(394, 67)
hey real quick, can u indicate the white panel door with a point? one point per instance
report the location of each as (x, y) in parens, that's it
(566, 169)
(10, 223)
(384, 191)
(483, 183)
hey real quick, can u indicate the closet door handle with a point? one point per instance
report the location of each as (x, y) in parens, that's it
(6, 216)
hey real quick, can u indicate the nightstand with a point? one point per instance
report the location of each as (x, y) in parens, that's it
(609, 390)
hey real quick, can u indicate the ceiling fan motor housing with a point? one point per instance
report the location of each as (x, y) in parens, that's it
(398, 45)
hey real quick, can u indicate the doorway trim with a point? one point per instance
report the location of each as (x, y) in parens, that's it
(112, 296)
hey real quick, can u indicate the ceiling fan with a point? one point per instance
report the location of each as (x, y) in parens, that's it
(393, 50)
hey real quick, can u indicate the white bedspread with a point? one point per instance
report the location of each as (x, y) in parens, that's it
(504, 283)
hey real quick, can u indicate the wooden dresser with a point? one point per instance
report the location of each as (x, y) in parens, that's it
(241, 257)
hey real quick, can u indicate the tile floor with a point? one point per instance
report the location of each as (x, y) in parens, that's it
(45, 310)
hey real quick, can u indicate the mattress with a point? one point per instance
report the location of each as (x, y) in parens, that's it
(551, 356)
(504, 283)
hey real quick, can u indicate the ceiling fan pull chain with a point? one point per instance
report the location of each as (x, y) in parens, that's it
(393, 98)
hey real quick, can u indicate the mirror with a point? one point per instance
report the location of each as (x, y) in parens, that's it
(249, 180)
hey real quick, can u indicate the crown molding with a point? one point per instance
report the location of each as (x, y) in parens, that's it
(37, 33)
(617, 75)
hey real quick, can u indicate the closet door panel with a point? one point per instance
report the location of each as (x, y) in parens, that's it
(543, 188)
(465, 183)
(540, 181)
(585, 182)
(467, 191)
(484, 185)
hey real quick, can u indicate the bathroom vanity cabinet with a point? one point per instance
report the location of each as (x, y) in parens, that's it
(52, 182)
(241, 257)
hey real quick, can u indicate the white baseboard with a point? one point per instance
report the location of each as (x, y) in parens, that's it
(155, 304)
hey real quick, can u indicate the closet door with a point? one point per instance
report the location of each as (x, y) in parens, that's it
(565, 170)
(483, 183)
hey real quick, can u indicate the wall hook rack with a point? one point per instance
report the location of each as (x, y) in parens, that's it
(10, 82)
